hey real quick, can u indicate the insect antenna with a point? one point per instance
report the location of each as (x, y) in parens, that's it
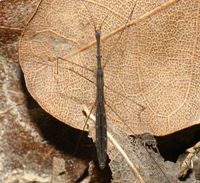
(122, 32)
(90, 15)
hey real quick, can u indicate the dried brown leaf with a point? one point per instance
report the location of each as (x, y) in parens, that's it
(155, 63)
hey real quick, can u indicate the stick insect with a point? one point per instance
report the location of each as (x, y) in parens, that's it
(101, 127)
(101, 121)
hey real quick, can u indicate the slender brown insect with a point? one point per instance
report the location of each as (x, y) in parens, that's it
(101, 127)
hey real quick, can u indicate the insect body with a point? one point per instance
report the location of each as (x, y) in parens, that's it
(101, 127)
